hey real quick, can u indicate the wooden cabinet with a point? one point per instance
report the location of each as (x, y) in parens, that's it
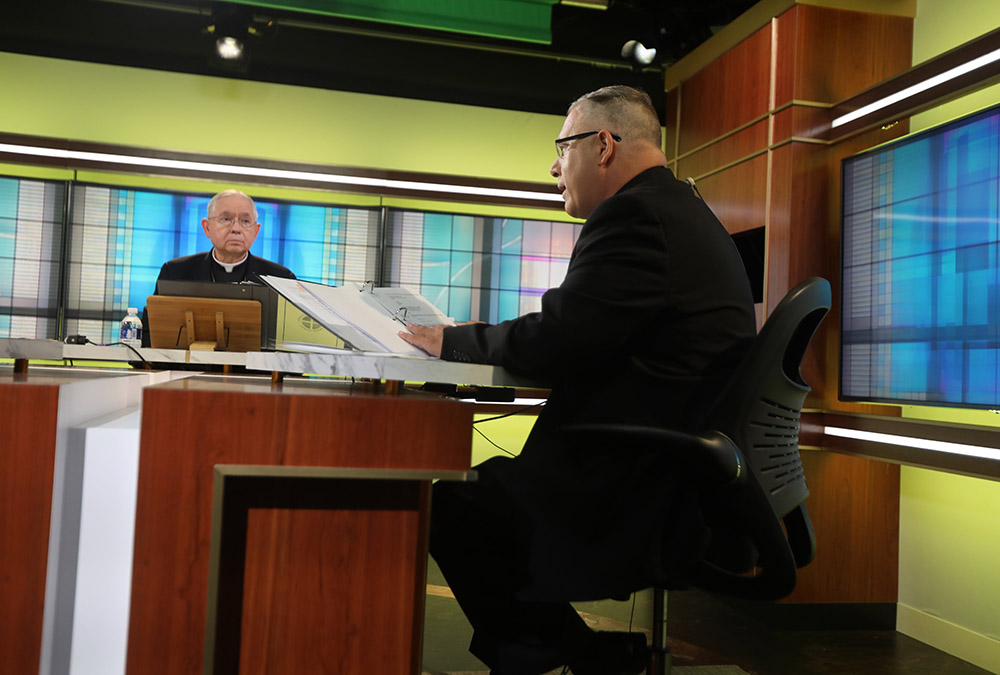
(342, 587)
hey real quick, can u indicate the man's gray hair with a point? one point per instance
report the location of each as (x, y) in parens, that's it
(230, 193)
(626, 111)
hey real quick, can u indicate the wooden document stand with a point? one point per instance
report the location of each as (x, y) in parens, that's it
(203, 323)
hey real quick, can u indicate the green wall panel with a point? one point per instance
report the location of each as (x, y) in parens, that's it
(528, 20)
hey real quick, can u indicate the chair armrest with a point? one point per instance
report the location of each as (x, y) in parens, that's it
(710, 455)
(715, 461)
(801, 537)
(775, 574)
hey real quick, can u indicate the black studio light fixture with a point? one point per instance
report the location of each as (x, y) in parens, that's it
(230, 31)
(232, 28)
(230, 49)
(638, 54)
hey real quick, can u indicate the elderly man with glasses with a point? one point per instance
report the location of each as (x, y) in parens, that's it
(231, 225)
(652, 317)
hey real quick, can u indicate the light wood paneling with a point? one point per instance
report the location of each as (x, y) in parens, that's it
(798, 218)
(368, 554)
(854, 508)
(805, 199)
(838, 53)
(730, 149)
(738, 194)
(779, 226)
(786, 62)
(800, 121)
(711, 105)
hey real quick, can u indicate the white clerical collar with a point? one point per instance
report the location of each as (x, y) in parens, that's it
(229, 266)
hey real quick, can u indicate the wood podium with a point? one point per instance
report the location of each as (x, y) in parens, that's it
(333, 582)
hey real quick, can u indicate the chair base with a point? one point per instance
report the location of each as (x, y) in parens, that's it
(659, 653)
(660, 662)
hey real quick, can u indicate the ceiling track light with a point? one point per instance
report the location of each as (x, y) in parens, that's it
(229, 48)
(638, 53)
(232, 27)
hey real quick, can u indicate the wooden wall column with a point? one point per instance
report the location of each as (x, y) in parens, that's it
(749, 128)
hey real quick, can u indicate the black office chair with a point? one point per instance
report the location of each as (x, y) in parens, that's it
(746, 464)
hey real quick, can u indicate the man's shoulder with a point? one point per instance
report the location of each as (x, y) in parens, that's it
(643, 196)
(658, 181)
(652, 194)
(258, 265)
(187, 260)
(187, 268)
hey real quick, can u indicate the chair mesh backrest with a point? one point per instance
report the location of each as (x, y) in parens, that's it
(760, 408)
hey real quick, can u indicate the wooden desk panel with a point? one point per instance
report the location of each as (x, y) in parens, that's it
(365, 559)
(39, 410)
(27, 460)
(294, 558)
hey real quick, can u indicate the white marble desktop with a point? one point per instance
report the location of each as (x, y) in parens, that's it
(385, 367)
(53, 350)
(342, 362)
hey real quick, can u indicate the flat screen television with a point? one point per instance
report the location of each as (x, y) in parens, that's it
(920, 311)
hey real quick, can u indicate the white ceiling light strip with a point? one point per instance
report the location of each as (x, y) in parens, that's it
(904, 94)
(922, 443)
(284, 174)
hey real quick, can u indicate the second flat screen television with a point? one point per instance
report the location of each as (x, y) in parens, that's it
(920, 315)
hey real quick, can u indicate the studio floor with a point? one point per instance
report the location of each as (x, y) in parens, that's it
(707, 637)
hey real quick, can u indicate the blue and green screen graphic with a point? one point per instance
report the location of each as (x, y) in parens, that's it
(920, 318)
(74, 266)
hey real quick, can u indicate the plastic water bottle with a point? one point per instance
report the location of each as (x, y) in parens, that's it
(131, 329)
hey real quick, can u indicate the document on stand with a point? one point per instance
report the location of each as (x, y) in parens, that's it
(368, 319)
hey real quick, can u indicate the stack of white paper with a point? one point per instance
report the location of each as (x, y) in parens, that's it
(369, 319)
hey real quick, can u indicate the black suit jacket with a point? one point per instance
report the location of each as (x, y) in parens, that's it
(653, 315)
(198, 267)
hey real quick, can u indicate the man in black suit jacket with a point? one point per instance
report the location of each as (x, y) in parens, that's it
(231, 225)
(654, 313)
